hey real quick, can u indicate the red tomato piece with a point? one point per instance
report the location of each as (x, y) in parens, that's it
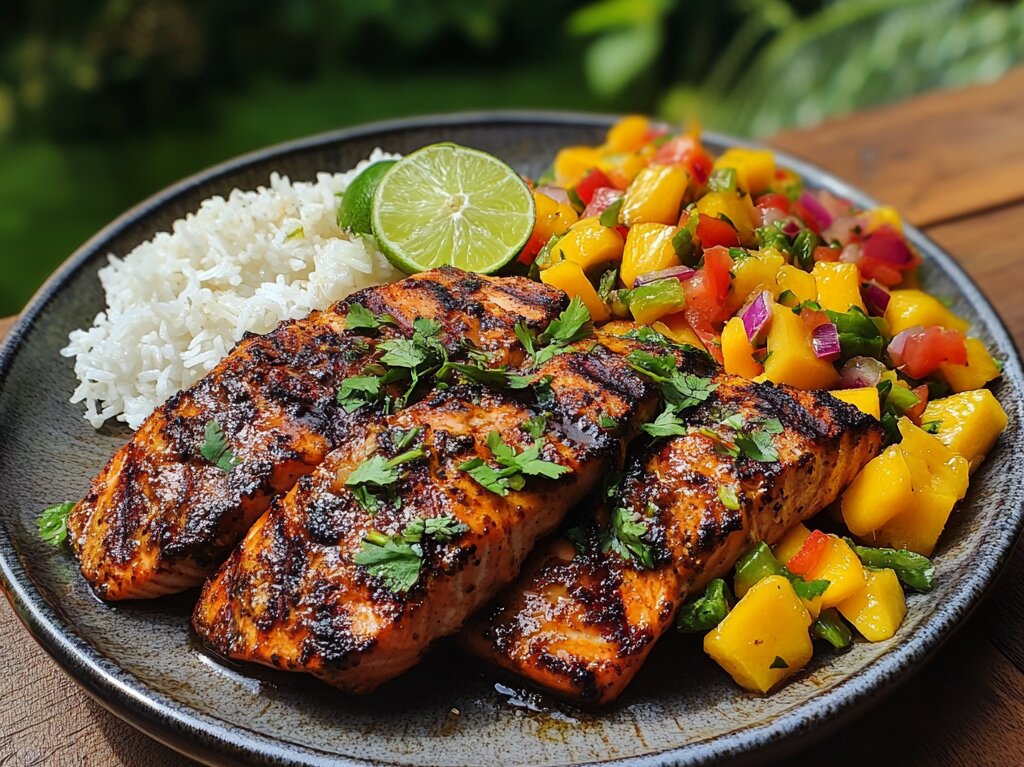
(809, 555)
(807, 217)
(705, 298)
(592, 180)
(925, 351)
(825, 253)
(813, 318)
(914, 413)
(531, 249)
(714, 232)
(773, 200)
(599, 201)
(688, 152)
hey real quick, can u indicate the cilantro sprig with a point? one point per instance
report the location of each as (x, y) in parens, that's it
(571, 325)
(378, 473)
(625, 536)
(756, 442)
(215, 448)
(681, 391)
(361, 318)
(53, 523)
(516, 467)
(398, 559)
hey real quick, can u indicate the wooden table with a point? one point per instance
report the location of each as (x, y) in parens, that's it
(953, 163)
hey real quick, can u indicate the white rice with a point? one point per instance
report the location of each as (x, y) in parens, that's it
(179, 302)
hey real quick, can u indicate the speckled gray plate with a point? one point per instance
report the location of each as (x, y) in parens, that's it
(140, 662)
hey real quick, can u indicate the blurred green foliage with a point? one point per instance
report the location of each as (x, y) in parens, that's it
(104, 102)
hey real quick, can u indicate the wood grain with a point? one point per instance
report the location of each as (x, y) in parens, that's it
(953, 163)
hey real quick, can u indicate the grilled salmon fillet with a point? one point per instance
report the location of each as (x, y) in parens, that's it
(295, 595)
(581, 619)
(161, 516)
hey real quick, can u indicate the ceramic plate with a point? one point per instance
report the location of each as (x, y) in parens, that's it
(140, 661)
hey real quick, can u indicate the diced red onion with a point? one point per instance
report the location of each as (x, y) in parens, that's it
(757, 316)
(603, 197)
(886, 245)
(876, 298)
(556, 193)
(861, 371)
(792, 227)
(816, 209)
(680, 273)
(770, 215)
(851, 254)
(825, 340)
(899, 343)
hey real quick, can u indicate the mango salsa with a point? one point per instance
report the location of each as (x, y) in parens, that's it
(628, 134)
(648, 248)
(755, 168)
(877, 610)
(798, 282)
(791, 357)
(677, 328)
(754, 274)
(864, 398)
(910, 307)
(979, 370)
(734, 206)
(655, 196)
(553, 217)
(791, 542)
(878, 493)
(840, 566)
(968, 423)
(765, 638)
(572, 162)
(737, 353)
(589, 244)
(569, 276)
(838, 286)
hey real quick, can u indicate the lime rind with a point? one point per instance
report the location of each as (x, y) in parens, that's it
(451, 205)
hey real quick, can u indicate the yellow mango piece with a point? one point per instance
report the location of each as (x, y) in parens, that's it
(677, 328)
(735, 206)
(838, 286)
(885, 215)
(572, 162)
(655, 196)
(878, 493)
(737, 353)
(791, 357)
(621, 169)
(911, 307)
(628, 134)
(588, 244)
(798, 281)
(841, 567)
(791, 543)
(569, 277)
(755, 168)
(939, 478)
(648, 248)
(969, 423)
(979, 370)
(553, 217)
(754, 274)
(864, 398)
(877, 610)
(765, 638)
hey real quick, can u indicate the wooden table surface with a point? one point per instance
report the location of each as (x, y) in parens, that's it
(953, 163)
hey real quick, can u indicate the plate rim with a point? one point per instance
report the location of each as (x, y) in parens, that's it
(205, 738)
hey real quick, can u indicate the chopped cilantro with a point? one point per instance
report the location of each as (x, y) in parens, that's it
(535, 426)
(610, 215)
(215, 448)
(779, 662)
(361, 318)
(378, 472)
(398, 559)
(516, 466)
(607, 422)
(727, 495)
(667, 424)
(356, 391)
(625, 537)
(571, 325)
(53, 523)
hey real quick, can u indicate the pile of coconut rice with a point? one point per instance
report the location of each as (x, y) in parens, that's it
(178, 303)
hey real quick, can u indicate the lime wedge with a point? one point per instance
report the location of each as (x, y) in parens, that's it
(447, 204)
(354, 210)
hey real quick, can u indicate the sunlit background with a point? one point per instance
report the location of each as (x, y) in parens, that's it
(102, 103)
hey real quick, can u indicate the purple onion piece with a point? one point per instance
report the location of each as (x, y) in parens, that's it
(791, 227)
(861, 371)
(756, 317)
(876, 298)
(556, 193)
(681, 273)
(826, 342)
(809, 201)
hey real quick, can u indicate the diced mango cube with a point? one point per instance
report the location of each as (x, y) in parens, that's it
(841, 567)
(877, 610)
(979, 370)
(796, 280)
(969, 423)
(753, 274)
(655, 196)
(588, 244)
(884, 215)
(572, 162)
(677, 328)
(737, 353)
(755, 168)
(864, 398)
(791, 357)
(911, 307)
(878, 493)
(791, 542)
(838, 286)
(569, 277)
(621, 169)
(735, 206)
(628, 134)
(765, 638)
(648, 248)
(553, 217)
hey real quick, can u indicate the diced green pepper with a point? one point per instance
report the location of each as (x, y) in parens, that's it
(913, 569)
(803, 249)
(654, 300)
(759, 562)
(831, 627)
(706, 612)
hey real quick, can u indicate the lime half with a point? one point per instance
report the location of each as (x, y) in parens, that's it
(447, 204)
(354, 210)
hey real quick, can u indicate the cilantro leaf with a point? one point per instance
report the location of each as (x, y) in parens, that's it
(667, 424)
(571, 325)
(215, 448)
(535, 426)
(396, 562)
(727, 495)
(53, 523)
(757, 446)
(607, 422)
(380, 472)
(625, 537)
(517, 466)
(361, 318)
(356, 391)
(403, 353)
(485, 475)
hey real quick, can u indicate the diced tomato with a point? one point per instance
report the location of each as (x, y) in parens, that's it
(713, 232)
(688, 152)
(872, 269)
(926, 350)
(809, 555)
(914, 413)
(825, 253)
(592, 180)
(773, 200)
(808, 218)
(623, 230)
(705, 298)
(599, 201)
(813, 318)
(531, 249)
(886, 256)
